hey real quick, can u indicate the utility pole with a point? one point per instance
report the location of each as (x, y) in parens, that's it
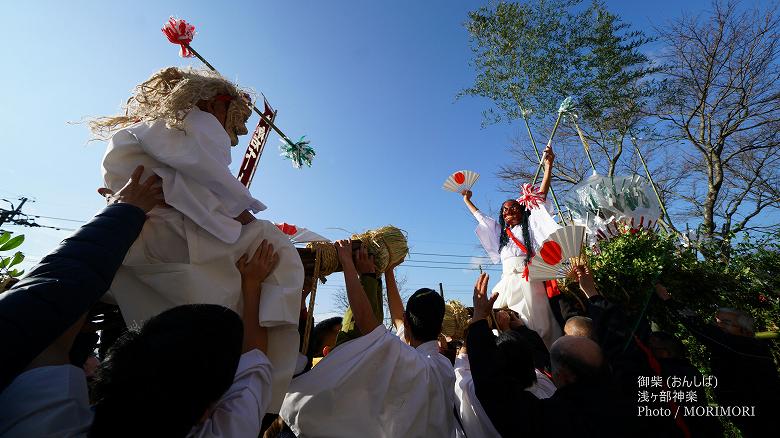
(9, 215)
(441, 291)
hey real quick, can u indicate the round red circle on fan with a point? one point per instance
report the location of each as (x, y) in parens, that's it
(551, 252)
(459, 177)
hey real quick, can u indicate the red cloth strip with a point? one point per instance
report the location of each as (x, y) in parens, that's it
(522, 248)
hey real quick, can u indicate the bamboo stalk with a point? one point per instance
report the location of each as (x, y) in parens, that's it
(584, 143)
(549, 143)
(652, 184)
(539, 157)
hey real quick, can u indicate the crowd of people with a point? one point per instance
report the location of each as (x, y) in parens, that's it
(208, 348)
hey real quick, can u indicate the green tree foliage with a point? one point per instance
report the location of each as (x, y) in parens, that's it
(7, 262)
(531, 55)
(627, 266)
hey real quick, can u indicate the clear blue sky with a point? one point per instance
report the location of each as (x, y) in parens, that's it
(372, 84)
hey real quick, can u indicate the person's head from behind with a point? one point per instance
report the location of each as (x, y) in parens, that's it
(515, 360)
(575, 359)
(734, 322)
(666, 346)
(164, 378)
(579, 326)
(323, 337)
(423, 316)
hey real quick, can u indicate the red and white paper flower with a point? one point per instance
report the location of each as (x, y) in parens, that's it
(180, 32)
(530, 197)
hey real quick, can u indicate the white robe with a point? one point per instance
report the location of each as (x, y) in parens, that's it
(187, 254)
(527, 299)
(50, 401)
(240, 411)
(374, 386)
(476, 423)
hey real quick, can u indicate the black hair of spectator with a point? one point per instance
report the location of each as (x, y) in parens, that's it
(425, 314)
(161, 379)
(318, 334)
(515, 359)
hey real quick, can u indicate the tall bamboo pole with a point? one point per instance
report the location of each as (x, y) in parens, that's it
(584, 142)
(652, 184)
(539, 157)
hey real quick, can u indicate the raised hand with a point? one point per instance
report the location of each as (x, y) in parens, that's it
(145, 196)
(585, 278)
(256, 269)
(548, 156)
(466, 195)
(502, 320)
(364, 263)
(344, 251)
(482, 304)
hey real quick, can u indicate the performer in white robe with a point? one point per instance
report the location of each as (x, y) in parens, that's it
(376, 385)
(523, 226)
(180, 126)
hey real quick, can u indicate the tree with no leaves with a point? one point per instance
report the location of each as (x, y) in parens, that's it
(721, 103)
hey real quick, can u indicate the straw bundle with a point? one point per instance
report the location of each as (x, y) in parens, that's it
(387, 244)
(456, 319)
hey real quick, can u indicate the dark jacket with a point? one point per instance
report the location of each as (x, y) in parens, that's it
(63, 286)
(583, 409)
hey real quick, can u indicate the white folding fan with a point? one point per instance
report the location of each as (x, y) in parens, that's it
(300, 234)
(557, 254)
(460, 181)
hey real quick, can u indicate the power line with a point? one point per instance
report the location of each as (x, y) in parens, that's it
(58, 218)
(456, 269)
(14, 216)
(443, 262)
(449, 255)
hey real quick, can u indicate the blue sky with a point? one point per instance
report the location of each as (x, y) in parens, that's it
(371, 84)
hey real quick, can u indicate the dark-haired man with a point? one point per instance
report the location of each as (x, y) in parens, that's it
(377, 384)
(580, 406)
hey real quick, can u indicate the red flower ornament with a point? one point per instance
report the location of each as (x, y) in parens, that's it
(530, 197)
(180, 32)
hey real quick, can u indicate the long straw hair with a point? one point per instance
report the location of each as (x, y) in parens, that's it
(169, 95)
(504, 238)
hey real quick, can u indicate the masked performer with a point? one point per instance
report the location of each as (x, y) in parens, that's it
(523, 225)
(180, 125)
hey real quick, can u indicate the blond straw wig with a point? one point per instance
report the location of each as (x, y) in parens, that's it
(169, 95)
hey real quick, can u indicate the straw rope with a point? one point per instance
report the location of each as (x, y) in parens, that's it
(456, 319)
(387, 244)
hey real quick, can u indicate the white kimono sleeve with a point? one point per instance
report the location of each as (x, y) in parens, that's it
(240, 411)
(195, 152)
(488, 233)
(476, 423)
(541, 223)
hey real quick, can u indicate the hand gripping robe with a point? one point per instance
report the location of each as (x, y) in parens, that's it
(187, 254)
(529, 299)
(374, 386)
